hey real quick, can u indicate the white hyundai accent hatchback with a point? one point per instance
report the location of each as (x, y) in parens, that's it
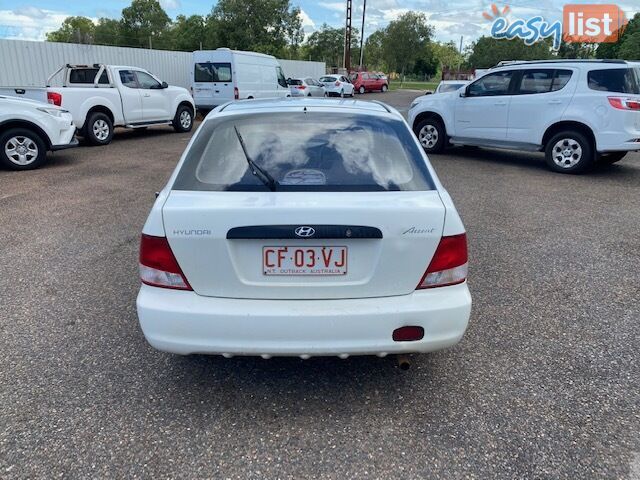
(310, 227)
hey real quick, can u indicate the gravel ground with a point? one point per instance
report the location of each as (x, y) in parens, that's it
(544, 384)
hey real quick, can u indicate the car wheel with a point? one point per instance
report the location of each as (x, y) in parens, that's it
(384, 88)
(183, 121)
(609, 158)
(361, 90)
(98, 129)
(431, 135)
(326, 94)
(22, 149)
(569, 152)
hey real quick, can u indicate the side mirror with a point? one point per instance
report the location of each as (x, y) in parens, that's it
(165, 85)
(465, 92)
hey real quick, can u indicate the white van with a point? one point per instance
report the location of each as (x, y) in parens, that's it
(222, 75)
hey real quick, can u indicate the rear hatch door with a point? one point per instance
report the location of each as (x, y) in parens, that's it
(240, 245)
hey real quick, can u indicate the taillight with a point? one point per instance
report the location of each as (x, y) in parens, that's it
(448, 265)
(337, 84)
(54, 98)
(301, 87)
(158, 266)
(236, 93)
(622, 103)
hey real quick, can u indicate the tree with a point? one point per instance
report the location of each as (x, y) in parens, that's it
(107, 32)
(487, 51)
(404, 40)
(258, 25)
(188, 33)
(373, 58)
(145, 24)
(576, 50)
(74, 30)
(327, 45)
(628, 45)
(447, 55)
(426, 65)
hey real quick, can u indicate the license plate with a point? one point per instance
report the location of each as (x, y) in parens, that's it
(311, 260)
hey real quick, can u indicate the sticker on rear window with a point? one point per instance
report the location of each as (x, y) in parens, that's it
(305, 176)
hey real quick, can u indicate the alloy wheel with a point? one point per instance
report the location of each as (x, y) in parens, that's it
(428, 136)
(567, 153)
(21, 150)
(101, 130)
(185, 119)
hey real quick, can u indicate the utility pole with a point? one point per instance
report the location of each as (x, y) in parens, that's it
(364, 11)
(346, 63)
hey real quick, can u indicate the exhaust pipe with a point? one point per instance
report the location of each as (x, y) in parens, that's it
(404, 362)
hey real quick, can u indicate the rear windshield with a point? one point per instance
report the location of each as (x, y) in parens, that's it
(619, 80)
(305, 152)
(293, 81)
(327, 79)
(87, 76)
(212, 72)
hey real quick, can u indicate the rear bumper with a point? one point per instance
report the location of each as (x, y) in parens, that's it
(184, 323)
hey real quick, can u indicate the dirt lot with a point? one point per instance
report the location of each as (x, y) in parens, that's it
(544, 384)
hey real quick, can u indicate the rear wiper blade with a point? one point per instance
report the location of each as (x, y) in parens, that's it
(259, 172)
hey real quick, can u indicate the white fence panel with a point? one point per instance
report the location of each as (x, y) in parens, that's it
(28, 64)
(299, 69)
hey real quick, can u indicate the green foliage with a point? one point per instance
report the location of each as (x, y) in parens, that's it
(487, 51)
(373, 51)
(144, 23)
(257, 25)
(404, 41)
(107, 32)
(327, 45)
(74, 30)
(577, 50)
(447, 55)
(628, 47)
(188, 33)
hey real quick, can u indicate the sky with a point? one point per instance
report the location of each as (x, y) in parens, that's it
(452, 19)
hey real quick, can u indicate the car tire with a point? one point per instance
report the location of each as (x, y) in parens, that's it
(569, 152)
(611, 158)
(183, 120)
(98, 129)
(22, 149)
(384, 88)
(326, 94)
(361, 90)
(431, 134)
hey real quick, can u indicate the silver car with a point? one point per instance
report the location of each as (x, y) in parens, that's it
(306, 87)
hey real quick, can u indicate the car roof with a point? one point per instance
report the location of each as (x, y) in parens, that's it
(324, 104)
(593, 64)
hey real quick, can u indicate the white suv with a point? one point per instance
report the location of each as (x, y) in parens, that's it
(29, 128)
(575, 111)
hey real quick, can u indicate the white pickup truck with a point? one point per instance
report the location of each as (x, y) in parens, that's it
(101, 97)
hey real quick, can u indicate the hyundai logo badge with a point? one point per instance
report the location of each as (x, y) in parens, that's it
(305, 232)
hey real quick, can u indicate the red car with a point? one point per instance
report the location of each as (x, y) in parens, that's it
(368, 82)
